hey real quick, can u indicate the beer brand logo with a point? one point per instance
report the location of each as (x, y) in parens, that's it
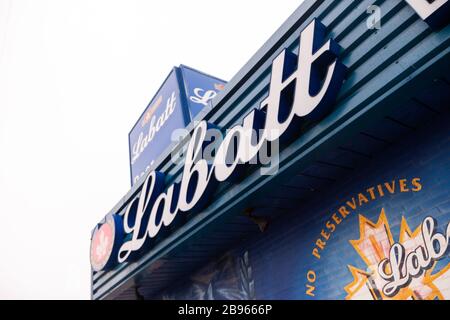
(204, 97)
(103, 243)
(400, 270)
(157, 204)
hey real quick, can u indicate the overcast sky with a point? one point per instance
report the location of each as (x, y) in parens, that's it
(75, 75)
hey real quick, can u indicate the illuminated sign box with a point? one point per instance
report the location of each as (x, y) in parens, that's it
(181, 97)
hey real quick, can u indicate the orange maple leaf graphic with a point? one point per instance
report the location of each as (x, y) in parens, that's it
(374, 246)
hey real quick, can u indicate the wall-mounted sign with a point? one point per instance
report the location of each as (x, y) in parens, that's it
(200, 89)
(302, 86)
(184, 93)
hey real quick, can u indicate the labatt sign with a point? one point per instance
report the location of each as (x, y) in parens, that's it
(301, 87)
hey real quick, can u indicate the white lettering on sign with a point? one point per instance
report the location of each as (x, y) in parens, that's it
(154, 127)
(203, 97)
(296, 91)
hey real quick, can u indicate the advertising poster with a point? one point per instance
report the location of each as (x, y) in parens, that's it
(152, 133)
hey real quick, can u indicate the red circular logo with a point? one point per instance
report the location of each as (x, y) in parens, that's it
(102, 245)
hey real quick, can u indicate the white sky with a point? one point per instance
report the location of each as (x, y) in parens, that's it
(74, 77)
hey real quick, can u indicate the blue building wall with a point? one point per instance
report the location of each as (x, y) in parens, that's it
(275, 264)
(387, 71)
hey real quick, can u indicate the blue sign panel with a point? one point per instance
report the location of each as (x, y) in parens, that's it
(152, 134)
(200, 89)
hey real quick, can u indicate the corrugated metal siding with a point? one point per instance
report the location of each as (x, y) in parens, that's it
(378, 61)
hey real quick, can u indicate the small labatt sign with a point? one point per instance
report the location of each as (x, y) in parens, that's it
(301, 87)
(151, 135)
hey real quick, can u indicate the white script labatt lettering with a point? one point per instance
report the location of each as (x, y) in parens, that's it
(310, 97)
(203, 97)
(154, 127)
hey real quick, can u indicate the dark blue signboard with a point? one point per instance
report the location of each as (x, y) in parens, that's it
(200, 89)
(152, 133)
